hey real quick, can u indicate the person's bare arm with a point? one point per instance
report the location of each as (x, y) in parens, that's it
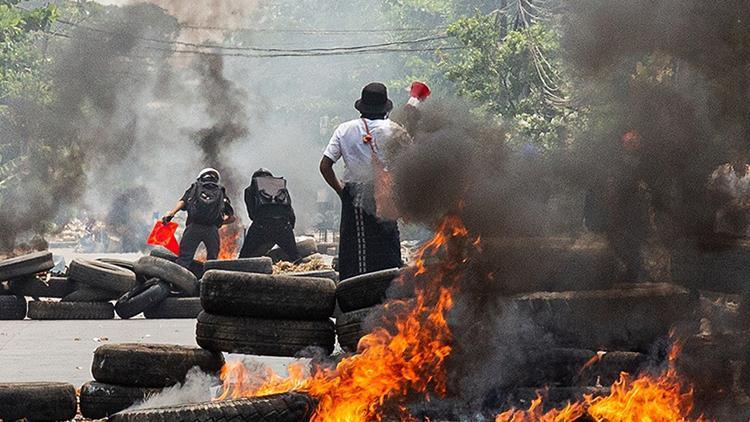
(326, 169)
(177, 208)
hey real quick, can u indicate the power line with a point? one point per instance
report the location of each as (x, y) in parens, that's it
(261, 49)
(313, 30)
(302, 53)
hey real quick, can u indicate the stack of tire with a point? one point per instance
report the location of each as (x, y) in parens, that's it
(125, 374)
(20, 272)
(164, 290)
(358, 297)
(263, 314)
(94, 285)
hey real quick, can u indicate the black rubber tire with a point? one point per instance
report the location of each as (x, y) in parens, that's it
(12, 308)
(265, 337)
(177, 276)
(101, 275)
(329, 274)
(89, 294)
(122, 263)
(365, 290)
(70, 310)
(26, 265)
(56, 287)
(175, 308)
(349, 328)
(150, 365)
(37, 401)
(142, 297)
(286, 407)
(196, 267)
(99, 400)
(261, 265)
(267, 296)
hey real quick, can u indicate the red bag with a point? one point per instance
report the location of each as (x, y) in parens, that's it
(163, 235)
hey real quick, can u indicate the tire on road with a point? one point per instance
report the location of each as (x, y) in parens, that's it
(54, 287)
(177, 276)
(628, 317)
(267, 296)
(265, 337)
(142, 297)
(261, 265)
(99, 400)
(150, 365)
(89, 294)
(196, 267)
(26, 265)
(12, 307)
(175, 308)
(101, 275)
(365, 290)
(286, 407)
(71, 310)
(37, 401)
(305, 247)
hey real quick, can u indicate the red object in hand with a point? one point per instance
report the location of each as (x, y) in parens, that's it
(419, 90)
(163, 235)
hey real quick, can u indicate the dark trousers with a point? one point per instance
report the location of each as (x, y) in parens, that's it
(264, 234)
(192, 237)
(367, 243)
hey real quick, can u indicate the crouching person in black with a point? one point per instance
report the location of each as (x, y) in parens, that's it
(208, 208)
(270, 208)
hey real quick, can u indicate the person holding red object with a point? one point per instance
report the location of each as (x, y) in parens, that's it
(208, 208)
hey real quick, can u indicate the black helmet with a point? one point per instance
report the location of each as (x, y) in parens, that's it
(262, 172)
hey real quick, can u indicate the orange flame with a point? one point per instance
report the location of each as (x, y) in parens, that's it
(408, 357)
(646, 398)
(230, 237)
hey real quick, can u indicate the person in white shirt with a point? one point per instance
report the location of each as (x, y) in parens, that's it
(367, 242)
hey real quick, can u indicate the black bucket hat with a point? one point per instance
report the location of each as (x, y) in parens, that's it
(374, 99)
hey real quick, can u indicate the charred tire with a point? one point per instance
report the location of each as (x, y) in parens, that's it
(267, 296)
(122, 263)
(329, 274)
(262, 265)
(286, 407)
(12, 307)
(101, 275)
(56, 287)
(26, 265)
(349, 328)
(142, 297)
(71, 310)
(99, 400)
(175, 308)
(196, 267)
(89, 294)
(179, 277)
(37, 401)
(578, 367)
(365, 290)
(305, 248)
(150, 365)
(266, 337)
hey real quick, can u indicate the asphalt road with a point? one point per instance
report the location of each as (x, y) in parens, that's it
(63, 350)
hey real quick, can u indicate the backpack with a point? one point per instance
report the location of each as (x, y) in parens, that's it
(265, 191)
(206, 203)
